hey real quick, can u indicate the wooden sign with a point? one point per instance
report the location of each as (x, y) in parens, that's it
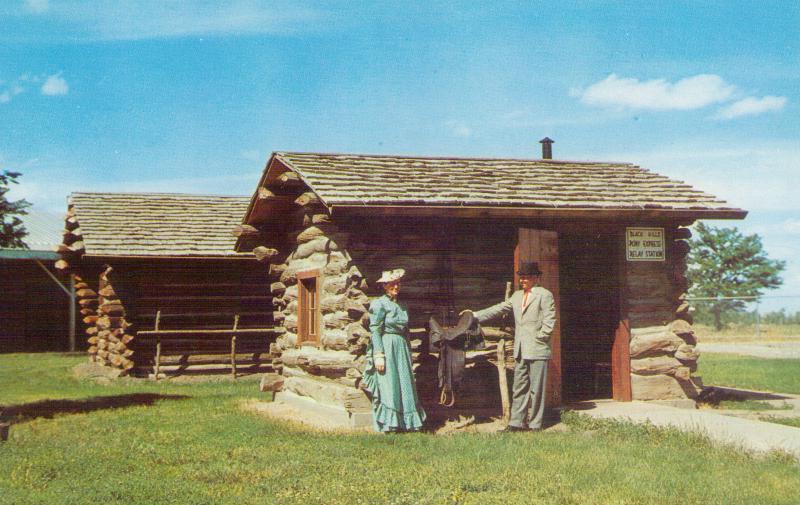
(644, 244)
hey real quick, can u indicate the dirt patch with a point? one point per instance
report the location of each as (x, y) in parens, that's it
(106, 375)
(284, 412)
(195, 379)
(95, 372)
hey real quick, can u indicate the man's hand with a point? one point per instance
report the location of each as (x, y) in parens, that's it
(380, 364)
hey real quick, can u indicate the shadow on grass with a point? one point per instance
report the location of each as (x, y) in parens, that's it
(439, 416)
(192, 370)
(49, 408)
(582, 405)
(713, 395)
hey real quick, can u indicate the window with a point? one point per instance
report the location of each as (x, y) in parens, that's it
(308, 310)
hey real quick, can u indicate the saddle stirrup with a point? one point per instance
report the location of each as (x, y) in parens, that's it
(443, 398)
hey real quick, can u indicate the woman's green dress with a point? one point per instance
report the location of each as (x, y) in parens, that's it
(395, 406)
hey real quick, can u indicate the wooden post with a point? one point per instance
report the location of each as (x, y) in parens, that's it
(233, 346)
(501, 369)
(72, 315)
(620, 350)
(158, 344)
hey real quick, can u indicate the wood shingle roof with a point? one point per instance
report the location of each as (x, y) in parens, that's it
(350, 180)
(158, 224)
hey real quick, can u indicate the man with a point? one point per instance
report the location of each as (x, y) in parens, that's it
(534, 318)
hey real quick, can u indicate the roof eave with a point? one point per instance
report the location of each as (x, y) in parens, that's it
(276, 166)
(476, 211)
(28, 254)
(253, 200)
(239, 256)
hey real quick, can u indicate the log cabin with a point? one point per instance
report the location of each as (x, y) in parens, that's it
(159, 286)
(611, 239)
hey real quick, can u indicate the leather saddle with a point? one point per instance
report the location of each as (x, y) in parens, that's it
(452, 344)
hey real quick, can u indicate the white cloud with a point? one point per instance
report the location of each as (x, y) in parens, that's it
(51, 85)
(657, 94)
(788, 228)
(49, 187)
(462, 131)
(459, 129)
(240, 184)
(153, 19)
(516, 115)
(253, 155)
(6, 95)
(752, 106)
(55, 85)
(755, 177)
(38, 6)
(791, 226)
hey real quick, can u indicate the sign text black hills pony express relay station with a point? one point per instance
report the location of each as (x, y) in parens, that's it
(644, 244)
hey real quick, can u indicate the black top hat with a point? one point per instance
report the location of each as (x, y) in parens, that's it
(529, 269)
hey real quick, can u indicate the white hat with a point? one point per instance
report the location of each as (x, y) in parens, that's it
(391, 275)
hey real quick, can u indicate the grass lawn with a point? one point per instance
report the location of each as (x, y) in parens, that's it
(751, 405)
(191, 444)
(793, 421)
(775, 375)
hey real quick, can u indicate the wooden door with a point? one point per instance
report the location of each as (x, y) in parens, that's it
(620, 351)
(542, 246)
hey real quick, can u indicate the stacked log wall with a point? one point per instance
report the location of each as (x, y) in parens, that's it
(327, 373)
(86, 298)
(193, 294)
(449, 266)
(662, 345)
(87, 284)
(117, 301)
(314, 242)
(113, 335)
(72, 247)
(34, 310)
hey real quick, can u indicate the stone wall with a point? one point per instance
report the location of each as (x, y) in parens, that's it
(317, 243)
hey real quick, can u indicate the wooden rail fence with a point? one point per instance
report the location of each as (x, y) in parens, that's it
(203, 341)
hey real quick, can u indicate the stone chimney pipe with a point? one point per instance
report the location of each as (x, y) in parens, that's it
(547, 148)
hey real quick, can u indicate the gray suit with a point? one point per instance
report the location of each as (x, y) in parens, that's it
(534, 325)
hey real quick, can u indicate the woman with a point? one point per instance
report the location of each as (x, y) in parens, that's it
(388, 376)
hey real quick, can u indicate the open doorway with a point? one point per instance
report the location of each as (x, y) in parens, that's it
(590, 313)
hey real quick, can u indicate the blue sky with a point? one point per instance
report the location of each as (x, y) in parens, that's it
(193, 96)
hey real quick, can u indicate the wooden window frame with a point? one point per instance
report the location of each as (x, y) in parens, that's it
(309, 319)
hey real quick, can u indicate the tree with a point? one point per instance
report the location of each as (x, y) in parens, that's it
(11, 228)
(725, 263)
